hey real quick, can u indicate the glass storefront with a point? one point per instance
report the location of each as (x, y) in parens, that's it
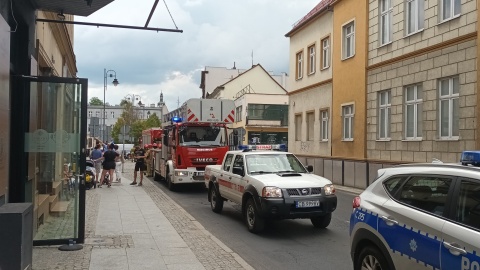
(54, 149)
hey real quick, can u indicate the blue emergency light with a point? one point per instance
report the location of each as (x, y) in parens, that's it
(176, 119)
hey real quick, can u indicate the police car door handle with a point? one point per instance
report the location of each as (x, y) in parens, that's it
(455, 249)
(389, 221)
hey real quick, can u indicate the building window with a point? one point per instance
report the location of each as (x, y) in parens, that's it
(449, 92)
(385, 21)
(311, 59)
(238, 114)
(298, 127)
(325, 53)
(310, 126)
(347, 117)
(384, 114)
(299, 65)
(449, 9)
(348, 40)
(415, 15)
(97, 114)
(112, 114)
(324, 126)
(90, 113)
(413, 112)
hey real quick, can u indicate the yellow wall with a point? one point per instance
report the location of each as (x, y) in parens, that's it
(349, 79)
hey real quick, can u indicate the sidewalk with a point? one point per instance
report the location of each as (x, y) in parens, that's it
(131, 227)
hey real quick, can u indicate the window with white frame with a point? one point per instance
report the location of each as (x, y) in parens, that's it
(238, 114)
(310, 126)
(413, 112)
(90, 113)
(347, 117)
(311, 59)
(449, 107)
(415, 15)
(384, 114)
(324, 125)
(298, 127)
(349, 40)
(386, 24)
(299, 65)
(449, 9)
(112, 114)
(325, 52)
(97, 113)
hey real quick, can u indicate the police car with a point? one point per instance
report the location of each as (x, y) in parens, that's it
(418, 216)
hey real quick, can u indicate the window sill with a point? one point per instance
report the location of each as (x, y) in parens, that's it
(347, 140)
(311, 73)
(346, 58)
(414, 33)
(413, 140)
(384, 45)
(323, 141)
(324, 68)
(383, 140)
(449, 19)
(453, 139)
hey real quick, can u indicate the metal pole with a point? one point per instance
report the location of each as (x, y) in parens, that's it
(123, 150)
(104, 90)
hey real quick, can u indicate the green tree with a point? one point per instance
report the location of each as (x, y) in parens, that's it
(153, 121)
(95, 101)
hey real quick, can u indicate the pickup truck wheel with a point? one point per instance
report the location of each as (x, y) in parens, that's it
(254, 222)
(216, 201)
(321, 221)
(171, 186)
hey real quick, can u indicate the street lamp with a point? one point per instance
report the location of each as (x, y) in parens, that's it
(115, 83)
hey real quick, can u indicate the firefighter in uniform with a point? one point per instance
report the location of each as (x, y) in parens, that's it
(149, 159)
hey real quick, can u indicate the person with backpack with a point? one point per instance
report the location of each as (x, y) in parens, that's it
(108, 158)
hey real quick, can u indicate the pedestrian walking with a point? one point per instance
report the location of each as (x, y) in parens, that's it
(108, 164)
(139, 165)
(95, 156)
(119, 160)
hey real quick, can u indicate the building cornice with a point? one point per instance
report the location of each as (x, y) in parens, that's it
(303, 89)
(425, 50)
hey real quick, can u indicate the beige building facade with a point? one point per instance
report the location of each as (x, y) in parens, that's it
(422, 80)
(310, 83)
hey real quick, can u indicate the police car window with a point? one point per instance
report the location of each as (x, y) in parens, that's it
(228, 162)
(392, 185)
(468, 204)
(428, 193)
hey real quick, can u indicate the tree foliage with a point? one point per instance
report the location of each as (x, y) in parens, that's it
(95, 101)
(129, 117)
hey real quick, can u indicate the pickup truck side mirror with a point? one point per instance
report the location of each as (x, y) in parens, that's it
(238, 170)
(309, 168)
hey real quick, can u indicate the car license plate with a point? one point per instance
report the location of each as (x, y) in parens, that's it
(304, 204)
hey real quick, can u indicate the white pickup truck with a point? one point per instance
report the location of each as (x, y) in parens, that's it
(270, 185)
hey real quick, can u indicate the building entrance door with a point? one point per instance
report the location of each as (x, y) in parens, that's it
(55, 139)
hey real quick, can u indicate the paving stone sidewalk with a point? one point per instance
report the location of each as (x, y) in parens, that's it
(152, 232)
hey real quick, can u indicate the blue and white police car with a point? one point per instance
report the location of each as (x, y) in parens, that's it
(418, 216)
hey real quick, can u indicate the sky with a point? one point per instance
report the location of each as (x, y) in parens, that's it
(216, 33)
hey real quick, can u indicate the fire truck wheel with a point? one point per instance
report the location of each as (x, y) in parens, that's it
(216, 201)
(171, 186)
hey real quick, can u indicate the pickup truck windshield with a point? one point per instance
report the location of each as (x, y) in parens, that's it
(202, 136)
(273, 163)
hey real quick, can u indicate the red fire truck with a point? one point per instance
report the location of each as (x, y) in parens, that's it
(194, 136)
(151, 136)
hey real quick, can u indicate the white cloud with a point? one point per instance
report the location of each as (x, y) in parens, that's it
(215, 33)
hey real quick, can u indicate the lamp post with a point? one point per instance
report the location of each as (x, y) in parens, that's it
(115, 83)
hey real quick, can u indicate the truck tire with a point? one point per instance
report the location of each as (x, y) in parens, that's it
(171, 186)
(321, 221)
(255, 223)
(216, 201)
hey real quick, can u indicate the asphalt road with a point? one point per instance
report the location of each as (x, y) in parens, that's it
(287, 244)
